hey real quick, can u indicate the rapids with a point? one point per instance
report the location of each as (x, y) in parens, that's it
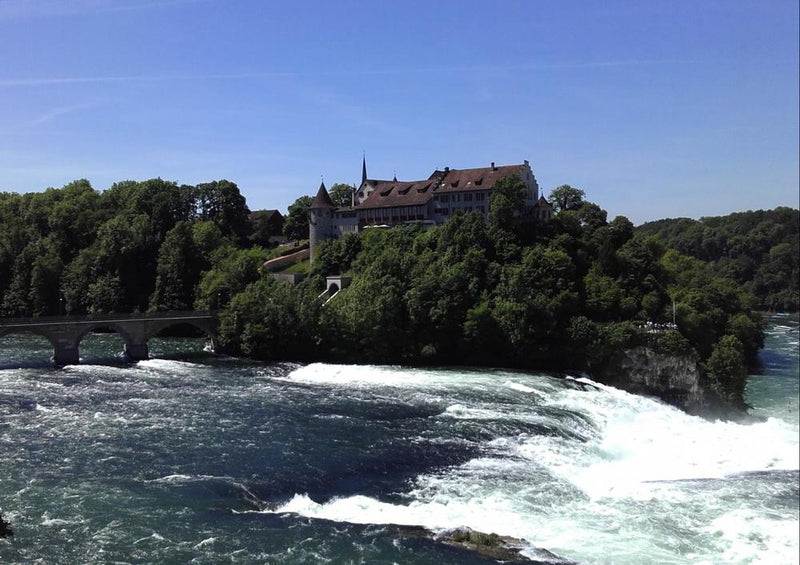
(194, 458)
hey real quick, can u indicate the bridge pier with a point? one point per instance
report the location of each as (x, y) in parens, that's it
(137, 351)
(66, 332)
(65, 353)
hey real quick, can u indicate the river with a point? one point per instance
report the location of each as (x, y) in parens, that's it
(195, 458)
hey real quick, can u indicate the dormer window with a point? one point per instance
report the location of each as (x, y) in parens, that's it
(479, 182)
(454, 184)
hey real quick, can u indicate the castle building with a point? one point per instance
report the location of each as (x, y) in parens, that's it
(430, 201)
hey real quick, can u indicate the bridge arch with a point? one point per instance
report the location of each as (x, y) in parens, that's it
(66, 332)
(128, 338)
(38, 344)
(206, 327)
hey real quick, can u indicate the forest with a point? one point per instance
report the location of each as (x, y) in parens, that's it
(506, 292)
(757, 250)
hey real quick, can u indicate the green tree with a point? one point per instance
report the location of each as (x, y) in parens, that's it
(565, 198)
(342, 194)
(103, 295)
(232, 270)
(222, 203)
(727, 370)
(272, 321)
(296, 226)
(178, 270)
(506, 202)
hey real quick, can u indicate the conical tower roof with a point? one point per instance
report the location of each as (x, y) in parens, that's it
(323, 199)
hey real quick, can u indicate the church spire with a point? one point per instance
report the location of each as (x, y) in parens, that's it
(364, 169)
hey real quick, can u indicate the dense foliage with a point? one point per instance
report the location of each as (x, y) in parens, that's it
(511, 292)
(758, 250)
(138, 246)
(507, 292)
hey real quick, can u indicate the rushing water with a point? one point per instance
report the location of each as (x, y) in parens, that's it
(201, 459)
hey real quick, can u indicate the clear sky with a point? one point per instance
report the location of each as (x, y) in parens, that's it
(661, 108)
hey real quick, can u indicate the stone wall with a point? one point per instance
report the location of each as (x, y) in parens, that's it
(280, 263)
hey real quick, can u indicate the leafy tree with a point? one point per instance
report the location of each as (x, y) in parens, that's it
(534, 300)
(565, 198)
(77, 277)
(727, 369)
(104, 294)
(272, 320)
(506, 202)
(603, 296)
(296, 226)
(127, 249)
(342, 194)
(178, 270)
(232, 270)
(163, 202)
(222, 203)
(337, 255)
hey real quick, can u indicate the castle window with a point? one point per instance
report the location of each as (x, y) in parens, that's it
(480, 196)
(468, 197)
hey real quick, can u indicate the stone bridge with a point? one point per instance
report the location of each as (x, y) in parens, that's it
(66, 332)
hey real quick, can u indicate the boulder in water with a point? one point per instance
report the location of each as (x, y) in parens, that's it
(504, 549)
(5, 529)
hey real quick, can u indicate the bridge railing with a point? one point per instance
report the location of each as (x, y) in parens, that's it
(108, 317)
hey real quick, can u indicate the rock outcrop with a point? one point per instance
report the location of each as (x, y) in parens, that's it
(677, 379)
(5, 529)
(504, 549)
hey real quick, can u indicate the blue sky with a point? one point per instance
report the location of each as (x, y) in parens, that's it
(655, 108)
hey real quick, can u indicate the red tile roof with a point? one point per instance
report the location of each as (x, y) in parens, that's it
(415, 193)
(399, 193)
(477, 179)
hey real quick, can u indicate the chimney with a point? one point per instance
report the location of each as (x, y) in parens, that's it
(493, 167)
(447, 170)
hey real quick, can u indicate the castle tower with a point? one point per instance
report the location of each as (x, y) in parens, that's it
(320, 220)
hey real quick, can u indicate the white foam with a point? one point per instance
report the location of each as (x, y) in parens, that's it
(205, 542)
(755, 538)
(643, 441)
(519, 387)
(363, 375)
(484, 514)
(165, 365)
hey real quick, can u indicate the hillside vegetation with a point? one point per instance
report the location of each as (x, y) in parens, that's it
(505, 292)
(758, 250)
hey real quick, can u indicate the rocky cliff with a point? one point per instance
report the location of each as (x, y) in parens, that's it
(677, 379)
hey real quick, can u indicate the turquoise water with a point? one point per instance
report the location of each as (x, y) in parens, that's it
(775, 390)
(193, 458)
